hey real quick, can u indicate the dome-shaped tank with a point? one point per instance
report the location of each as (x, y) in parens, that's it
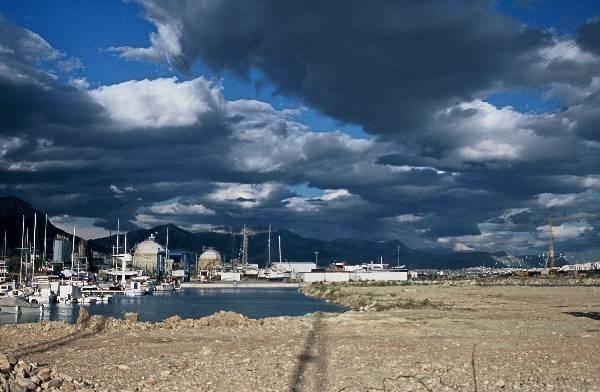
(146, 254)
(210, 259)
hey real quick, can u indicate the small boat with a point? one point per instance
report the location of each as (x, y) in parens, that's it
(277, 275)
(87, 300)
(165, 287)
(135, 290)
(18, 305)
(43, 298)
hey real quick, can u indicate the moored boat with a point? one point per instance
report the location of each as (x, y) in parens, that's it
(165, 287)
(135, 290)
(18, 305)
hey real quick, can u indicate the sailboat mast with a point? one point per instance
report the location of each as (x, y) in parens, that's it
(116, 252)
(22, 246)
(73, 252)
(118, 233)
(279, 237)
(124, 263)
(27, 253)
(269, 258)
(166, 252)
(45, 258)
(33, 252)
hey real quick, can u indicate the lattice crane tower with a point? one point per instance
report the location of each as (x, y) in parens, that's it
(550, 259)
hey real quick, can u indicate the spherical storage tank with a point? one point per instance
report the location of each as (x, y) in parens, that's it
(146, 255)
(209, 259)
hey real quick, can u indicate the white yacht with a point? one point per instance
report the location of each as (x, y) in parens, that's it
(136, 289)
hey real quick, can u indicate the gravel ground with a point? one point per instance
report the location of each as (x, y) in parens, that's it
(406, 338)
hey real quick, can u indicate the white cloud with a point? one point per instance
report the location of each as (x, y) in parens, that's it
(8, 144)
(159, 103)
(332, 194)
(177, 208)
(79, 83)
(477, 131)
(566, 50)
(488, 150)
(567, 230)
(165, 44)
(300, 204)
(245, 195)
(458, 247)
(549, 200)
(119, 193)
(405, 218)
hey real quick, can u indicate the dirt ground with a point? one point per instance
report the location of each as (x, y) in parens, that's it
(410, 338)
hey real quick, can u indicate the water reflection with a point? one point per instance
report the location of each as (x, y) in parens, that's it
(189, 303)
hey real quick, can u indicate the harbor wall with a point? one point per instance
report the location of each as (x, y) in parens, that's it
(378, 276)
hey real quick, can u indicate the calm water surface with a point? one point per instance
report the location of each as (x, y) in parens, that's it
(190, 303)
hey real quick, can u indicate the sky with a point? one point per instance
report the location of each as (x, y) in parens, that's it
(449, 125)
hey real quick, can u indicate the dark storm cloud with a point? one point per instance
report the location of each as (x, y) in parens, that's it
(385, 67)
(588, 35)
(448, 169)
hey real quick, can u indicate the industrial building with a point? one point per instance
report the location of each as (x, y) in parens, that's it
(61, 250)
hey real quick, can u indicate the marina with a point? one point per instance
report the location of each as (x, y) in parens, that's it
(188, 303)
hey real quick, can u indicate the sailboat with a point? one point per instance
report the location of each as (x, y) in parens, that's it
(136, 288)
(272, 273)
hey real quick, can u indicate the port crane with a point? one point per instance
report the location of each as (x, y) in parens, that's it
(550, 260)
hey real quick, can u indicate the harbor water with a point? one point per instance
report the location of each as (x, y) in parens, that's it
(190, 303)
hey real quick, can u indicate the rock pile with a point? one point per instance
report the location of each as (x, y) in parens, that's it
(18, 375)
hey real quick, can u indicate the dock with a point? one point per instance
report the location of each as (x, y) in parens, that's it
(239, 285)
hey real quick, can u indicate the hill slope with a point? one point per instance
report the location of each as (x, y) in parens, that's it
(12, 210)
(294, 246)
(298, 248)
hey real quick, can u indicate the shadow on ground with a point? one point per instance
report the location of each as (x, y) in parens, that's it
(591, 315)
(313, 353)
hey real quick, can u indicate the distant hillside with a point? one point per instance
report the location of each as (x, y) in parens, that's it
(294, 246)
(12, 210)
(298, 248)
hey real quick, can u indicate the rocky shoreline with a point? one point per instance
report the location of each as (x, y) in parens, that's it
(420, 338)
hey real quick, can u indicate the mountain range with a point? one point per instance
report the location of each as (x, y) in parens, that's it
(294, 246)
